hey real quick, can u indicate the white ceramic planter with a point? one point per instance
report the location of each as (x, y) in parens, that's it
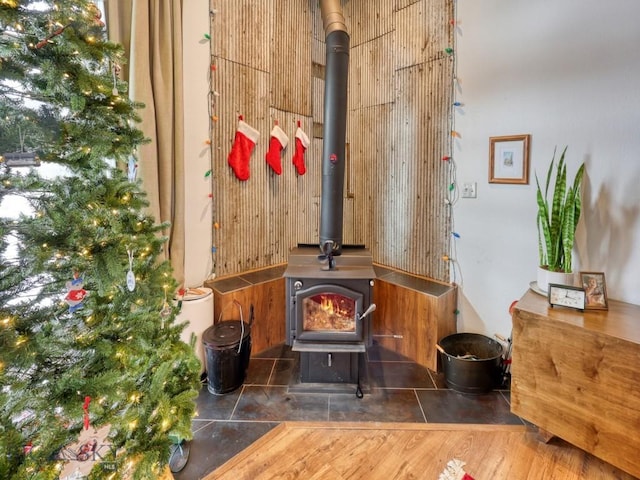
(545, 277)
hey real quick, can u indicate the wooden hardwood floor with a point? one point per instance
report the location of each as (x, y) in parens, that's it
(336, 451)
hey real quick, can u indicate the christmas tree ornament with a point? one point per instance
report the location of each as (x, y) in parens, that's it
(132, 169)
(76, 293)
(302, 143)
(278, 142)
(48, 38)
(85, 409)
(245, 141)
(116, 70)
(95, 15)
(131, 278)
(166, 310)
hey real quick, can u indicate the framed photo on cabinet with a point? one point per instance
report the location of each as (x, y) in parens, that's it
(509, 159)
(595, 290)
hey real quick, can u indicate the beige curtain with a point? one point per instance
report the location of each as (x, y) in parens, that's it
(151, 33)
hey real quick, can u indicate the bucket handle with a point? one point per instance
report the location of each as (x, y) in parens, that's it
(237, 303)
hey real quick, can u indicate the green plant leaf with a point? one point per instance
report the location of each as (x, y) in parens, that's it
(557, 222)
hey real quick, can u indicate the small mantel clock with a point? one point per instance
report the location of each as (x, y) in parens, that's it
(566, 296)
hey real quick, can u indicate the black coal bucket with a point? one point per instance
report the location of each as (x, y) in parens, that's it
(227, 347)
(471, 362)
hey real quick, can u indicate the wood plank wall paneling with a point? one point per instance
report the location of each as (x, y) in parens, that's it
(269, 59)
(411, 322)
(268, 327)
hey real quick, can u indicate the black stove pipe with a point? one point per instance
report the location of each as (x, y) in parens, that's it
(335, 126)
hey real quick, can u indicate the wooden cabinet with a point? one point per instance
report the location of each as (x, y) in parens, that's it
(576, 375)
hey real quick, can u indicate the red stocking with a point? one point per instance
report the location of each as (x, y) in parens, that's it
(243, 144)
(278, 142)
(302, 143)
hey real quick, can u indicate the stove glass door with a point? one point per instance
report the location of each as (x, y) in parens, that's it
(329, 312)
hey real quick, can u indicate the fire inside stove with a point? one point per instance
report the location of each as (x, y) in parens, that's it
(329, 312)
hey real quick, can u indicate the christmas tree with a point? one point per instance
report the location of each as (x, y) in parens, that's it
(88, 331)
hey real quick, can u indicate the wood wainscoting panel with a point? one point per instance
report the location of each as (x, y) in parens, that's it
(265, 290)
(412, 315)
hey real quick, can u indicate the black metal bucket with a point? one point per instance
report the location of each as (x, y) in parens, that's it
(471, 362)
(227, 347)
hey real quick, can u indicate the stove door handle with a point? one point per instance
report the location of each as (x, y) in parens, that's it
(371, 308)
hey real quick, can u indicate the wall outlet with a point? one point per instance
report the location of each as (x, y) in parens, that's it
(469, 190)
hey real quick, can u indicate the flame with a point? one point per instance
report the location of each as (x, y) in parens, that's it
(327, 305)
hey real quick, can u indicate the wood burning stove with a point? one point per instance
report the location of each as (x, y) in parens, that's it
(328, 315)
(329, 289)
(328, 306)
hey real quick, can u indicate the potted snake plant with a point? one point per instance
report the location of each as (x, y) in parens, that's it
(559, 206)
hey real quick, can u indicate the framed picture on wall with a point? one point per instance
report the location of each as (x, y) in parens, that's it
(509, 159)
(595, 290)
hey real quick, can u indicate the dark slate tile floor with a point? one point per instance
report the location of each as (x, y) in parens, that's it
(398, 391)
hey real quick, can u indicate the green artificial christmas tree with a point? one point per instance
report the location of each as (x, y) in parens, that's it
(88, 337)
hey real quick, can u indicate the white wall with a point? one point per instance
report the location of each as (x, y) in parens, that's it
(565, 72)
(198, 216)
(568, 73)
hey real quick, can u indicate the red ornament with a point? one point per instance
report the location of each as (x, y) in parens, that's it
(85, 408)
(76, 293)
